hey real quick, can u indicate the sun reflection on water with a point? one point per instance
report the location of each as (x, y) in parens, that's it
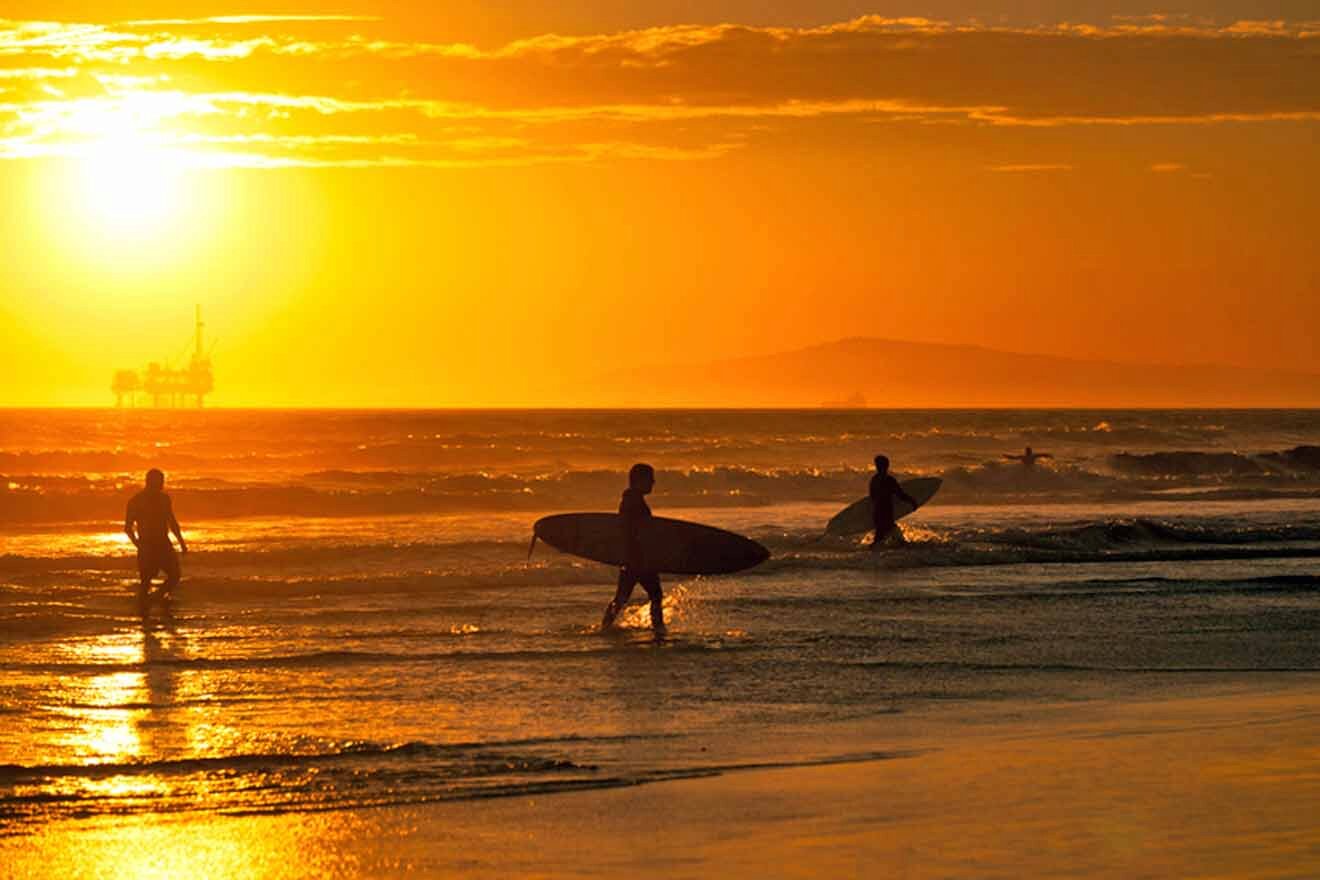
(109, 541)
(124, 715)
(313, 845)
(105, 706)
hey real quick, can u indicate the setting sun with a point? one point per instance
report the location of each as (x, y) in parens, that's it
(653, 438)
(125, 177)
(128, 187)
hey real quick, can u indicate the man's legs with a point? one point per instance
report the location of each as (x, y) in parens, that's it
(146, 571)
(169, 563)
(651, 583)
(627, 580)
(887, 533)
(144, 587)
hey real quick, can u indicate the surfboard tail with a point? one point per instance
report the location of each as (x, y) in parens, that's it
(532, 548)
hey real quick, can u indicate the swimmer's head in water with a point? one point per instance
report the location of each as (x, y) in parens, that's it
(155, 479)
(641, 477)
(882, 464)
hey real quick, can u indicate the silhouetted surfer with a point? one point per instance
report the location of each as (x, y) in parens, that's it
(148, 522)
(633, 514)
(1028, 458)
(884, 489)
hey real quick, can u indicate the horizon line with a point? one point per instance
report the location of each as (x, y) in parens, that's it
(658, 408)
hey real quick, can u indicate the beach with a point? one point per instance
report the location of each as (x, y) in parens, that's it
(1218, 785)
(807, 438)
(1101, 665)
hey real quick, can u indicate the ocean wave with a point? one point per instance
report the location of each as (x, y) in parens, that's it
(341, 658)
(1123, 533)
(1299, 462)
(42, 499)
(1008, 481)
(1067, 668)
(1045, 589)
(339, 752)
(371, 563)
(1282, 583)
(354, 775)
(38, 499)
(942, 555)
(348, 776)
(1116, 540)
(279, 556)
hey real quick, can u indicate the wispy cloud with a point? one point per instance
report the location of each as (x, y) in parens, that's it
(250, 19)
(293, 87)
(1028, 168)
(37, 73)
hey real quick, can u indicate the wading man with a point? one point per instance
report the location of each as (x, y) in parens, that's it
(148, 523)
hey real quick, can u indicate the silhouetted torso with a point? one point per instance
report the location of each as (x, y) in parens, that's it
(153, 513)
(634, 511)
(884, 488)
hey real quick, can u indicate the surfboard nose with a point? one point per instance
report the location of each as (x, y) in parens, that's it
(740, 557)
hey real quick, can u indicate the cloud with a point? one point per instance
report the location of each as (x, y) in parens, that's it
(32, 73)
(1029, 168)
(250, 19)
(291, 88)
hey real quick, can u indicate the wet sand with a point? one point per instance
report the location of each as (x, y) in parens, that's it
(1223, 785)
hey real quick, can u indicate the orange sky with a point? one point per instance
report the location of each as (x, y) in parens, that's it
(392, 207)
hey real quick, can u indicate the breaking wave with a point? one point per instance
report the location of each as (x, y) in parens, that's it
(1128, 476)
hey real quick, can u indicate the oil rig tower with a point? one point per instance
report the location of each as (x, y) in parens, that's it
(167, 386)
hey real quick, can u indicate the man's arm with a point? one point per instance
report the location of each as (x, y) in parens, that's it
(178, 532)
(898, 490)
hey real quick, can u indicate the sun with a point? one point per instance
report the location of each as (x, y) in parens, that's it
(126, 193)
(126, 179)
(129, 187)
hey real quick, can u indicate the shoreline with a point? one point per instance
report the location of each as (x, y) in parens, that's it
(1222, 784)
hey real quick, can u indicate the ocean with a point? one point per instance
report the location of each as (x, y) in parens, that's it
(359, 623)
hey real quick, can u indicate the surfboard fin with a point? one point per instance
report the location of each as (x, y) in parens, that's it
(532, 548)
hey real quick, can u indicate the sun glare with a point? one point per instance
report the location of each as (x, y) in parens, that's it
(125, 179)
(128, 187)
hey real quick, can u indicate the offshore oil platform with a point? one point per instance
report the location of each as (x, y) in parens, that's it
(169, 386)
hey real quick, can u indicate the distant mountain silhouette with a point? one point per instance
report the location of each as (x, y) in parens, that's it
(888, 373)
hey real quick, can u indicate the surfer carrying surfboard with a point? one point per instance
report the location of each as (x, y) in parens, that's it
(884, 489)
(634, 513)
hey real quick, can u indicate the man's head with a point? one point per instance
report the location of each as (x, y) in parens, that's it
(882, 464)
(642, 478)
(155, 479)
